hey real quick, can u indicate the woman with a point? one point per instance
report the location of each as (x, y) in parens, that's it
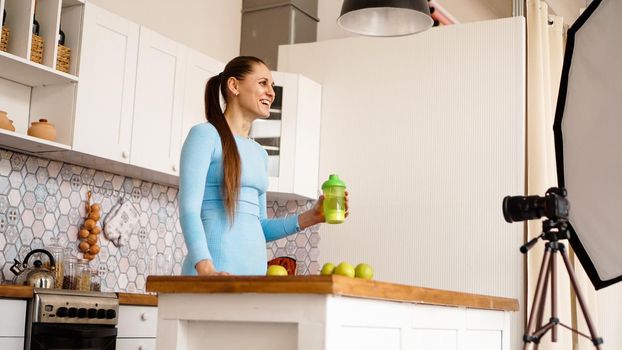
(224, 178)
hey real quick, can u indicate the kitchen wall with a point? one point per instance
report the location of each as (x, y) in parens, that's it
(42, 199)
(212, 27)
(428, 133)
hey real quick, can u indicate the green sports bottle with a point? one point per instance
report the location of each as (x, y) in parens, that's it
(334, 200)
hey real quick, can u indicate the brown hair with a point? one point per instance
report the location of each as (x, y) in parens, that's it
(237, 68)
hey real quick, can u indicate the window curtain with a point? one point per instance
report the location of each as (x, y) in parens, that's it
(545, 51)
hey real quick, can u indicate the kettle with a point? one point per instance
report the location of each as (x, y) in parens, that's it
(37, 276)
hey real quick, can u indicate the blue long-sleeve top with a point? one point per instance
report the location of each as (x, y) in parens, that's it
(238, 247)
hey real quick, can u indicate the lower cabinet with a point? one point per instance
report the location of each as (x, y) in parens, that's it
(12, 324)
(137, 327)
(12, 343)
(135, 344)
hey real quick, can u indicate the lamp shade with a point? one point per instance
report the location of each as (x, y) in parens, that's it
(385, 17)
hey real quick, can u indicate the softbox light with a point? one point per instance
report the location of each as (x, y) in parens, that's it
(588, 144)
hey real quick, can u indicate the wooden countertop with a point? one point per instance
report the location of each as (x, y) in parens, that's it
(138, 299)
(15, 292)
(336, 285)
(25, 292)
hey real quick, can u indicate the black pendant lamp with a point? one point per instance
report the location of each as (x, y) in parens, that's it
(385, 17)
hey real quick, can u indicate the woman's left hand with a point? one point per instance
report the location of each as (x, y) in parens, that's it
(315, 215)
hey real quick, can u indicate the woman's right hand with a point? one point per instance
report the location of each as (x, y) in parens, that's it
(206, 268)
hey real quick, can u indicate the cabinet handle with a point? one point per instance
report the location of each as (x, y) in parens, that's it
(144, 316)
(140, 347)
(124, 155)
(174, 167)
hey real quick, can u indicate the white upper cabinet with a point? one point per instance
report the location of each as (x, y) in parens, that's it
(199, 68)
(291, 136)
(158, 104)
(140, 95)
(105, 98)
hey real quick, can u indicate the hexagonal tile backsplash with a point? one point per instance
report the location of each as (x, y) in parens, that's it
(42, 200)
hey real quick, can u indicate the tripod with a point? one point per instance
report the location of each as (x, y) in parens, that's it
(552, 232)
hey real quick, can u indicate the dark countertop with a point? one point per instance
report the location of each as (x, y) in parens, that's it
(25, 292)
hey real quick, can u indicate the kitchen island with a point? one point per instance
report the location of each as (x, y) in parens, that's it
(323, 312)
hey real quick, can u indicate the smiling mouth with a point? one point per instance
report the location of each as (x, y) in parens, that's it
(265, 102)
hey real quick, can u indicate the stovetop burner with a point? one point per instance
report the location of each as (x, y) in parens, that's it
(74, 307)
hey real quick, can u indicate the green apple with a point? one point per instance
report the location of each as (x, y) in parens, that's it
(363, 271)
(276, 270)
(327, 269)
(344, 269)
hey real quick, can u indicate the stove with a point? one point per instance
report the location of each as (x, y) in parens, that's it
(67, 319)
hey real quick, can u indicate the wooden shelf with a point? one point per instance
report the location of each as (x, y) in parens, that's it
(29, 144)
(25, 72)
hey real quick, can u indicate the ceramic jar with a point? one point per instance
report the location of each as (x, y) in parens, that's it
(5, 122)
(43, 129)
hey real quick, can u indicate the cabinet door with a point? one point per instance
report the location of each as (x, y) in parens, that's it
(306, 160)
(291, 136)
(12, 324)
(158, 103)
(199, 68)
(105, 97)
(136, 344)
(137, 321)
(288, 110)
(11, 343)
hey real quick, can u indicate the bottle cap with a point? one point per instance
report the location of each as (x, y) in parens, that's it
(333, 181)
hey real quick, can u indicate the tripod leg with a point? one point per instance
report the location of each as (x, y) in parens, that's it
(539, 330)
(554, 318)
(545, 290)
(597, 341)
(537, 301)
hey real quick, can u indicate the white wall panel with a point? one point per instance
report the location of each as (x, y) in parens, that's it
(427, 131)
(212, 27)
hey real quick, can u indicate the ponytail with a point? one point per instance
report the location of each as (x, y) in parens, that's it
(230, 156)
(237, 68)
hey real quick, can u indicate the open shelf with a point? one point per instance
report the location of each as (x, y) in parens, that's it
(26, 72)
(29, 144)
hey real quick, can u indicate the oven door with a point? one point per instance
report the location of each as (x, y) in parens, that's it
(56, 336)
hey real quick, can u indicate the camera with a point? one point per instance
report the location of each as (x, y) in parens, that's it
(553, 205)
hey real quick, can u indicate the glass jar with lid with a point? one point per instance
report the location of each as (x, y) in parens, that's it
(71, 273)
(95, 281)
(76, 275)
(84, 279)
(59, 253)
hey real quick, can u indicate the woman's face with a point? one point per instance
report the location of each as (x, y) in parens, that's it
(255, 91)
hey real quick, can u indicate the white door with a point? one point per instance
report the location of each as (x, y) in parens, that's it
(158, 103)
(199, 68)
(104, 106)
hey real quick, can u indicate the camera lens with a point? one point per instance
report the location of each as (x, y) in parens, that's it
(520, 208)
